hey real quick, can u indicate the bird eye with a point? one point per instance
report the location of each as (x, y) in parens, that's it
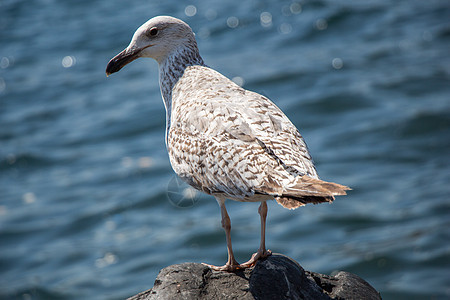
(153, 31)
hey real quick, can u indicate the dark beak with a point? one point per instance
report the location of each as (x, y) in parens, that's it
(120, 60)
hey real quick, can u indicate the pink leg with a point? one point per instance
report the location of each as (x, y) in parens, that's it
(232, 264)
(262, 252)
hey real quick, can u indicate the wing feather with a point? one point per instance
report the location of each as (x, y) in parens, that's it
(238, 142)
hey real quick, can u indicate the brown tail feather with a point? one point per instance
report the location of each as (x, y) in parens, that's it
(296, 202)
(308, 186)
(310, 190)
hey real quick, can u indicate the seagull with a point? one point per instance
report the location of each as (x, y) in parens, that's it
(223, 140)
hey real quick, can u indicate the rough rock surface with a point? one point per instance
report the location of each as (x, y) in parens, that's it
(277, 277)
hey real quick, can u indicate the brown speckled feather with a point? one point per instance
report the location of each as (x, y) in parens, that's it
(224, 139)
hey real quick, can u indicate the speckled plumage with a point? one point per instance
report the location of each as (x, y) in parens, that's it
(222, 139)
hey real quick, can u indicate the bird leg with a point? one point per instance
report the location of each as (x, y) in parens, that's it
(232, 264)
(262, 252)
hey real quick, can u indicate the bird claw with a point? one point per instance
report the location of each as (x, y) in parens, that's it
(255, 257)
(236, 267)
(227, 267)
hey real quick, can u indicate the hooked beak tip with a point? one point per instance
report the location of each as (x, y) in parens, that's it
(120, 60)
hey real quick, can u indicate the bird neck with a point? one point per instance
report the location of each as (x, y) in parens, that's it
(171, 69)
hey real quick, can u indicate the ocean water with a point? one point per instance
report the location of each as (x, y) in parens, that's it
(89, 205)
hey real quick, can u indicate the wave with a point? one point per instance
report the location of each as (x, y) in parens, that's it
(24, 160)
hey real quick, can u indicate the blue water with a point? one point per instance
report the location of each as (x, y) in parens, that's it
(86, 210)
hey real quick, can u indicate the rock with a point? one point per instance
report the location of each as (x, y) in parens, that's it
(345, 285)
(277, 277)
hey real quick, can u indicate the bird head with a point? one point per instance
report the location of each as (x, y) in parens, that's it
(156, 38)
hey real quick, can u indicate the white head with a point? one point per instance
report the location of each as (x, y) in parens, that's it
(157, 39)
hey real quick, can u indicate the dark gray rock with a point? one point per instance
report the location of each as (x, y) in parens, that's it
(345, 285)
(277, 277)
